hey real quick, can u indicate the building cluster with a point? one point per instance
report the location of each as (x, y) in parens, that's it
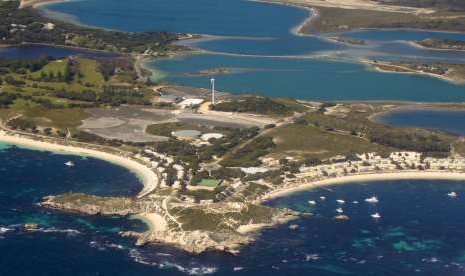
(372, 163)
(17, 28)
(169, 172)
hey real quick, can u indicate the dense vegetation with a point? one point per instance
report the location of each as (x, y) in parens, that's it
(72, 82)
(248, 155)
(260, 105)
(446, 44)
(357, 124)
(26, 25)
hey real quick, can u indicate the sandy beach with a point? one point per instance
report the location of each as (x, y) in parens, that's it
(401, 175)
(155, 222)
(146, 175)
(38, 3)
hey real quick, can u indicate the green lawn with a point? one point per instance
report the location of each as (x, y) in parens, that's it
(90, 78)
(210, 183)
(90, 72)
(53, 67)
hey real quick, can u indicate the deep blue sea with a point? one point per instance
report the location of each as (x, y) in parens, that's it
(451, 121)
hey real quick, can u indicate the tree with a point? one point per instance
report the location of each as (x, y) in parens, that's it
(51, 76)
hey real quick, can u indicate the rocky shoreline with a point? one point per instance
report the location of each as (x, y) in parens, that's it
(224, 238)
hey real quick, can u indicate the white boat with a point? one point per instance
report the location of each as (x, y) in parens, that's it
(355, 202)
(452, 194)
(373, 199)
(342, 218)
(311, 202)
(376, 216)
(69, 164)
(339, 210)
(340, 201)
(322, 197)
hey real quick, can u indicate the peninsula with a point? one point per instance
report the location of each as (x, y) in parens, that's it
(344, 15)
(454, 73)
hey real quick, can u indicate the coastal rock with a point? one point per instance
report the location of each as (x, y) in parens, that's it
(226, 226)
(195, 242)
(93, 205)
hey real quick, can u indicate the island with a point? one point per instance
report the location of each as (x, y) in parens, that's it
(213, 72)
(348, 40)
(208, 167)
(454, 73)
(442, 44)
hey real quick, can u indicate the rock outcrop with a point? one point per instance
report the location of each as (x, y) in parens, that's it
(224, 226)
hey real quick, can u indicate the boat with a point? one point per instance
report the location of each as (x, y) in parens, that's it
(69, 164)
(311, 202)
(355, 202)
(293, 226)
(341, 218)
(31, 227)
(322, 198)
(340, 201)
(339, 210)
(373, 199)
(452, 194)
(376, 216)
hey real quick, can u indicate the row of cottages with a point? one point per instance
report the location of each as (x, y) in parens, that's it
(453, 163)
(368, 162)
(407, 157)
(156, 159)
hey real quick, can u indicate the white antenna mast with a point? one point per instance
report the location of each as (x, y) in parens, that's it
(213, 90)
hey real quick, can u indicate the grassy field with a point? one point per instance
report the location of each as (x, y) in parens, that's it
(56, 118)
(305, 141)
(90, 72)
(89, 78)
(55, 94)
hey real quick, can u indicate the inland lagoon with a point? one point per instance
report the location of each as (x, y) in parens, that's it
(296, 65)
(448, 120)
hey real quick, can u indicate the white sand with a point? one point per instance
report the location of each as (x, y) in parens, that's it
(155, 222)
(249, 228)
(147, 176)
(364, 178)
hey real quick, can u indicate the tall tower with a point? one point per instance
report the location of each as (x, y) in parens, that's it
(213, 90)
